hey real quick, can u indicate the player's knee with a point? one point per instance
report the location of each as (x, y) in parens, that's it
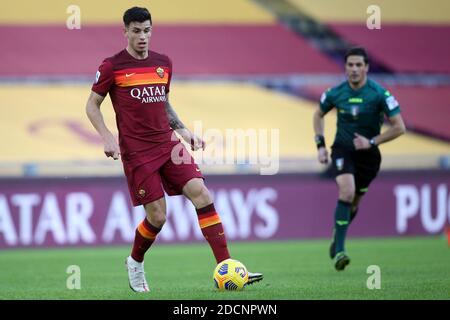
(203, 197)
(156, 214)
(157, 218)
(199, 194)
(347, 194)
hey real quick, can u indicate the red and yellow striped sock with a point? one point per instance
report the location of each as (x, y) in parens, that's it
(145, 235)
(212, 230)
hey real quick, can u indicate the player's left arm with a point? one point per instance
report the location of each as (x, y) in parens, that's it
(178, 126)
(396, 129)
(391, 109)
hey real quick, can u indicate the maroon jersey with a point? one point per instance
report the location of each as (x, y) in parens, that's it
(138, 90)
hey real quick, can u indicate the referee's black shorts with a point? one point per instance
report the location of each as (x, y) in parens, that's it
(363, 164)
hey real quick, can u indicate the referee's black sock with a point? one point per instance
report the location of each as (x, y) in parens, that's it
(341, 222)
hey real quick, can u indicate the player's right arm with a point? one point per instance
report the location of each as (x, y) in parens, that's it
(319, 125)
(111, 148)
(104, 80)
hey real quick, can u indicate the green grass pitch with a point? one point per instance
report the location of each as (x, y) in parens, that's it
(411, 268)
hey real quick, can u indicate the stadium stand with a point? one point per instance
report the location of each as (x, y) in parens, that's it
(414, 35)
(48, 128)
(403, 48)
(104, 12)
(398, 11)
(216, 50)
(212, 45)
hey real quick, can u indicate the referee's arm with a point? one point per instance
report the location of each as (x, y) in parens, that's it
(396, 129)
(318, 124)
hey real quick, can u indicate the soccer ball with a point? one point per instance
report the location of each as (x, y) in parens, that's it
(230, 275)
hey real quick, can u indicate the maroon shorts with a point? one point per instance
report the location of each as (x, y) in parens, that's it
(149, 174)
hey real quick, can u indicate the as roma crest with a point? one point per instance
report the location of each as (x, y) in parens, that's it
(141, 193)
(160, 72)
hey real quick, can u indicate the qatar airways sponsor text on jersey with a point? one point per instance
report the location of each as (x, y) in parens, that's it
(149, 94)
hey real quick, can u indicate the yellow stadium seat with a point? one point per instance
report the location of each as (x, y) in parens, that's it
(49, 121)
(110, 12)
(392, 11)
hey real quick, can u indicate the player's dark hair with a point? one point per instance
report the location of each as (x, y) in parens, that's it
(136, 14)
(357, 51)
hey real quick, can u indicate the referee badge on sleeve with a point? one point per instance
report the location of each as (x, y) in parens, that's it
(391, 102)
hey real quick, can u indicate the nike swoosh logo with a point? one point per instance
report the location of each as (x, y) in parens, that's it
(221, 233)
(341, 222)
(197, 169)
(129, 75)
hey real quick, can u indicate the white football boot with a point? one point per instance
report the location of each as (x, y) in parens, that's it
(136, 275)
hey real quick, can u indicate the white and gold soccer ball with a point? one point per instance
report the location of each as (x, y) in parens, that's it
(230, 275)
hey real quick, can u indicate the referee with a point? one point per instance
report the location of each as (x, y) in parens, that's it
(361, 105)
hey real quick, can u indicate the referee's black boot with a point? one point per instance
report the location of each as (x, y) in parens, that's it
(342, 260)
